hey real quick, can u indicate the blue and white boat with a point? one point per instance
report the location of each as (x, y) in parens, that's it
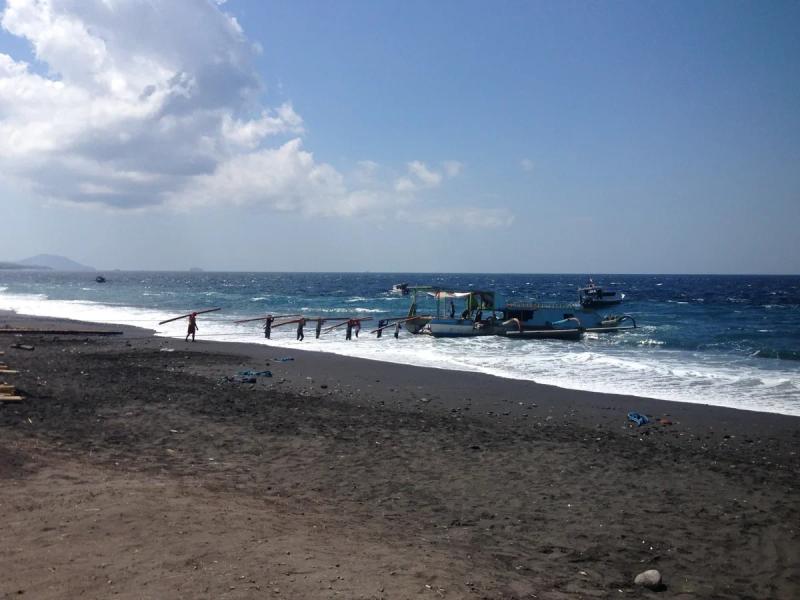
(478, 316)
(473, 313)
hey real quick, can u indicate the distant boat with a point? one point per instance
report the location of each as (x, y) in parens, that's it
(594, 296)
(400, 288)
(100, 279)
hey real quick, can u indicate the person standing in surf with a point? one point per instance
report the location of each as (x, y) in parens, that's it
(192, 326)
(318, 330)
(268, 326)
(300, 324)
(349, 330)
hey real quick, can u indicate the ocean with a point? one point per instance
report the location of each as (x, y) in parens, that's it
(711, 339)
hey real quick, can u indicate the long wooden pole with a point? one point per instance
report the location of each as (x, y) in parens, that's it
(197, 312)
(287, 322)
(327, 329)
(393, 322)
(264, 318)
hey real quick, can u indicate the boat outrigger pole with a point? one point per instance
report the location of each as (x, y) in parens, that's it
(264, 318)
(345, 322)
(393, 323)
(196, 312)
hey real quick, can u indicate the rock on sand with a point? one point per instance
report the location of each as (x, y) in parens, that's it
(650, 579)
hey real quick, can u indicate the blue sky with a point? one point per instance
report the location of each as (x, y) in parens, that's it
(405, 136)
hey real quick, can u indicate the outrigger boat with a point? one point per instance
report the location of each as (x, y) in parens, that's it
(470, 321)
(481, 317)
(594, 296)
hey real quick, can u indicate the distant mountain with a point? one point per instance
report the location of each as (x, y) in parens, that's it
(55, 262)
(9, 266)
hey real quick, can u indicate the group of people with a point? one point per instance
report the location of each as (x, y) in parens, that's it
(352, 326)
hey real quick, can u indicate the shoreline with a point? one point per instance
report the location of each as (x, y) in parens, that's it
(263, 349)
(137, 465)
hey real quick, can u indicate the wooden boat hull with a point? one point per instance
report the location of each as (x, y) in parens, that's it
(417, 324)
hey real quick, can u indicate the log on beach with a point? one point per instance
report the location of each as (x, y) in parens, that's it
(27, 331)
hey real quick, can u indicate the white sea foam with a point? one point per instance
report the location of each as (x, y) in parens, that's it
(596, 364)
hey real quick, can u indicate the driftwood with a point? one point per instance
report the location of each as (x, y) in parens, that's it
(57, 332)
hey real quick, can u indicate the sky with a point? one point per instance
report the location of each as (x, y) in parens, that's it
(402, 136)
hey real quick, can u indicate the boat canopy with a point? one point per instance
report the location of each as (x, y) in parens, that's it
(475, 298)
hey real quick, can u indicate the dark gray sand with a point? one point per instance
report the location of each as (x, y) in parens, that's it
(134, 472)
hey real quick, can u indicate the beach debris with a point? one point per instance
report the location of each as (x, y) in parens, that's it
(638, 418)
(255, 373)
(166, 350)
(651, 579)
(284, 359)
(58, 332)
(19, 346)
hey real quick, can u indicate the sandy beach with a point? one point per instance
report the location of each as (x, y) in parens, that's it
(140, 467)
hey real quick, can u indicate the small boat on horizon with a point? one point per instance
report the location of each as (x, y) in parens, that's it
(400, 288)
(100, 279)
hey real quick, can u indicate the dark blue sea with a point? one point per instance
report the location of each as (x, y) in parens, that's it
(714, 339)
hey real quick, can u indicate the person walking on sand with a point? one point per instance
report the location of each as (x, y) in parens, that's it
(268, 326)
(192, 326)
(318, 330)
(300, 324)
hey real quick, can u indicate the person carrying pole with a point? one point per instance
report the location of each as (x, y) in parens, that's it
(357, 327)
(397, 330)
(349, 330)
(192, 326)
(300, 324)
(318, 331)
(268, 326)
(381, 324)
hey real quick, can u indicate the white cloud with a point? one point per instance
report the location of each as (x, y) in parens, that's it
(420, 176)
(135, 104)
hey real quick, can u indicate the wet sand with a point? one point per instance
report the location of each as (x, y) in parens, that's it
(134, 472)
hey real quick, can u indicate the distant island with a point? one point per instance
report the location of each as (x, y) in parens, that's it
(12, 266)
(45, 262)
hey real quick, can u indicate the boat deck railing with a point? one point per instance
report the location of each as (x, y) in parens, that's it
(540, 305)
